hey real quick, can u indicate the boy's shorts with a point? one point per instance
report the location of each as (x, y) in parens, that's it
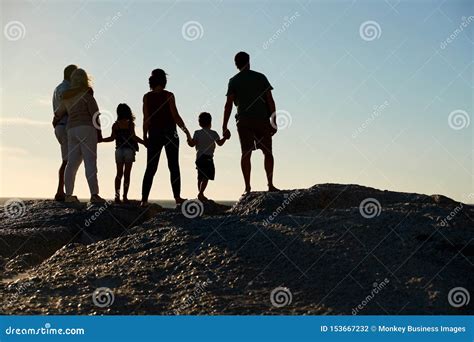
(205, 167)
(124, 155)
(254, 133)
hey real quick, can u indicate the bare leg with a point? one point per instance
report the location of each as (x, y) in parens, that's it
(202, 188)
(118, 180)
(246, 166)
(126, 180)
(269, 163)
(60, 192)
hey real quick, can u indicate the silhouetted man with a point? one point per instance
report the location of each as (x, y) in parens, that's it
(251, 92)
(60, 127)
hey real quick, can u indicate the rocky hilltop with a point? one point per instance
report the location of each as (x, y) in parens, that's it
(329, 249)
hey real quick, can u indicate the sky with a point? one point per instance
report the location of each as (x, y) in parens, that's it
(376, 93)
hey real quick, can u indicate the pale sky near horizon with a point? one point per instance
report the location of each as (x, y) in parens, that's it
(329, 73)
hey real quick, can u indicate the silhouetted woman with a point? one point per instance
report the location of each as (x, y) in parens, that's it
(159, 130)
(83, 130)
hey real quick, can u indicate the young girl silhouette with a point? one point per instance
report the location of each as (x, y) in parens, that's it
(126, 145)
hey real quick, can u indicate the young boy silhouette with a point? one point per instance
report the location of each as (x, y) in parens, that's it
(205, 140)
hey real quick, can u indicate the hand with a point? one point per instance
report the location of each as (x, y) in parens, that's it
(226, 133)
(273, 128)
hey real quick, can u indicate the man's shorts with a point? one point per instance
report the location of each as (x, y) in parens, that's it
(124, 155)
(205, 167)
(255, 133)
(60, 132)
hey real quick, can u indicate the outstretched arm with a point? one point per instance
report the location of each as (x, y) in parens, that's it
(136, 138)
(112, 136)
(227, 111)
(177, 118)
(146, 118)
(221, 142)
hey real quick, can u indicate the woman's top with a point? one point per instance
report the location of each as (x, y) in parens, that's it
(160, 119)
(81, 108)
(124, 136)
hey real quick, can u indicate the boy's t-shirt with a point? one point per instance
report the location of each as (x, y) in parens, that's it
(205, 139)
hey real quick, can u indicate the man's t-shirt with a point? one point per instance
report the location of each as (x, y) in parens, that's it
(205, 141)
(249, 88)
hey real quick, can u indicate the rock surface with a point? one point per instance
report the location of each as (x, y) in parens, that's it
(329, 249)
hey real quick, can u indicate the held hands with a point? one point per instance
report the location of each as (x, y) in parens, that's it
(226, 133)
